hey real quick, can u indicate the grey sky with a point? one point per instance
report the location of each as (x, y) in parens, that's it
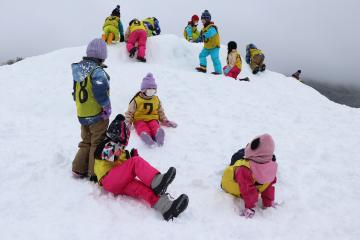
(320, 37)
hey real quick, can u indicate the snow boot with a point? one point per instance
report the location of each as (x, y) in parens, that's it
(160, 182)
(244, 79)
(93, 178)
(110, 38)
(141, 59)
(171, 209)
(262, 68)
(132, 52)
(103, 37)
(256, 70)
(201, 69)
(215, 73)
(147, 139)
(159, 137)
(78, 175)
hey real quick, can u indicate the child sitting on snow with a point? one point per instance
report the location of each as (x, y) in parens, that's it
(210, 35)
(152, 26)
(136, 35)
(121, 172)
(233, 60)
(191, 32)
(145, 111)
(255, 58)
(252, 172)
(113, 28)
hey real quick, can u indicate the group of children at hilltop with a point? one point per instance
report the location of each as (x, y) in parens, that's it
(102, 156)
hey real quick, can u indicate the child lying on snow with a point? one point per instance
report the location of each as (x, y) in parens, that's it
(252, 171)
(121, 172)
(145, 111)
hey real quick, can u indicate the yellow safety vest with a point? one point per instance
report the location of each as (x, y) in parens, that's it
(255, 51)
(238, 61)
(213, 42)
(137, 25)
(229, 184)
(195, 33)
(102, 167)
(86, 104)
(146, 109)
(112, 21)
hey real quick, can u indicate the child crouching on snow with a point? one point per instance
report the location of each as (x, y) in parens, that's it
(121, 172)
(252, 172)
(233, 60)
(146, 111)
(255, 58)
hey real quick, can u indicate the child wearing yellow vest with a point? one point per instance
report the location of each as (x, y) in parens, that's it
(124, 173)
(233, 60)
(255, 58)
(136, 38)
(252, 172)
(113, 28)
(146, 112)
(191, 32)
(152, 26)
(211, 38)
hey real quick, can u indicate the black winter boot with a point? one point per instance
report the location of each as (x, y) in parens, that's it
(263, 67)
(161, 181)
(256, 70)
(141, 59)
(171, 209)
(132, 52)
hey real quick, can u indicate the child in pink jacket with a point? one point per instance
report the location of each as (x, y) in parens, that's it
(146, 112)
(124, 173)
(253, 174)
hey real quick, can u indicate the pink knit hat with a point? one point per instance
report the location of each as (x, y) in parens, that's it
(260, 153)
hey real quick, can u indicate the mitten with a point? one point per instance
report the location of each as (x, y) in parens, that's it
(134, 152)
(247, 212)
(106, 112)
(168, 123)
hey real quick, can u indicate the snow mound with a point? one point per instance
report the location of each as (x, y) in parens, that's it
(316, 145)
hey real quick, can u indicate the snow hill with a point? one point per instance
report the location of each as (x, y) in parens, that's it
(317, 147)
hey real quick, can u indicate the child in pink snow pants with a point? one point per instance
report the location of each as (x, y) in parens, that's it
(125, 173)
(146, 112)
(136, 38)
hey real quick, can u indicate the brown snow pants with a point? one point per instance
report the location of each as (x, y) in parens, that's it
(257, 61)
(91, 136)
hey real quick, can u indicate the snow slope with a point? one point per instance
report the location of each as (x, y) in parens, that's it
(317, 150)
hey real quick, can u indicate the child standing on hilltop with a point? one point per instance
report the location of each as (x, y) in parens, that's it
(210, 35)
(136, 38)
(233, 60)
(146, 111)
(255, 58)
(191, 32)
(113, 28)
(252, 171)
(126, 173)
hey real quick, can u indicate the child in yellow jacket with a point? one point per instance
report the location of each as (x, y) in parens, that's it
(146, 112)
(233, 60)
(113, 28)
(124, 173)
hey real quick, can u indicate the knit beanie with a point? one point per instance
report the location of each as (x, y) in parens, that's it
(206, 15)
(116, 11)
(148, 82)
(232, 45)
(97, 49)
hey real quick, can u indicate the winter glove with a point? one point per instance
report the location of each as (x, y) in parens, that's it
(106, 112)
(134, 152)
(227, 70)
(247, 212)
(168, 123)
(122, 38)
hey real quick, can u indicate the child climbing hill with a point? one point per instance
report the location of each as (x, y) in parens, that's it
(113, 28)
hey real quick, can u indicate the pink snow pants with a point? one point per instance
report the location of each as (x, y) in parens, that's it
(132, 178)
(234, 72)
(140, 37)
(150, 127)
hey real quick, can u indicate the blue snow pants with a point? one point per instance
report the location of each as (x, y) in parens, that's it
(214, 53)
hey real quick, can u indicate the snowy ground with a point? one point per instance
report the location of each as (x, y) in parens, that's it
(317, 150)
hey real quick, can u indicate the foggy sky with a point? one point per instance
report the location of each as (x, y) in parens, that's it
(320, 37)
